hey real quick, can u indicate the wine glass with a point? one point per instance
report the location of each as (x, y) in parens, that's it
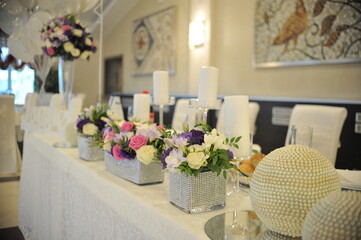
(130, 113)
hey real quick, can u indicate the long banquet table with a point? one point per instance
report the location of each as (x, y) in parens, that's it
(64, 197)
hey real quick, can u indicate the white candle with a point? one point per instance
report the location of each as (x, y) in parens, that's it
(141, 107)
(208, 86)
(236, 112)
(161, 87)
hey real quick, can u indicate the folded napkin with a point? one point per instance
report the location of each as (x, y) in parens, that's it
(350, 179)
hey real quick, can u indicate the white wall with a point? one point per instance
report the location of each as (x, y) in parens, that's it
(231, 52)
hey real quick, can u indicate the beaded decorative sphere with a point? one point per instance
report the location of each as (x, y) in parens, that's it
(337, 216)
(287, 183)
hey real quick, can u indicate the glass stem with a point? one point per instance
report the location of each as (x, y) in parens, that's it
(161, 110)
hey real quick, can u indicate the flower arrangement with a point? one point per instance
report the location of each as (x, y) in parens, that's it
(200, 149)
(67, 37)
(129, 140)
(92, 120)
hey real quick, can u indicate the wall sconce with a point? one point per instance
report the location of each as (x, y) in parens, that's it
(197, 34)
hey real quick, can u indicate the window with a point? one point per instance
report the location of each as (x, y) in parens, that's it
(18, 82)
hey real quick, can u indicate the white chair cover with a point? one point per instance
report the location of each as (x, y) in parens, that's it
(183, 114)
(10, 160)
(253, 113)
(326, 122)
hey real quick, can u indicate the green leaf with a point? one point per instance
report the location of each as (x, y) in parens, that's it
(238, 138)
(225, 174)
(214, 160)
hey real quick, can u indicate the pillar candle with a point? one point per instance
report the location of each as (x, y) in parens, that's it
(141, 107)
(161, 87)
(236, 112)
(208, 86)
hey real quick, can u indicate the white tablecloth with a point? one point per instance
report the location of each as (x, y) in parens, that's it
(64, 197)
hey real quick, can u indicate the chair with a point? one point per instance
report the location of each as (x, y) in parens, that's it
(326, 122)
(184, 114)
(253, 113)
(10, 160)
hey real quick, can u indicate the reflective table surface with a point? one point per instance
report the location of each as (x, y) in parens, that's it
(239, 225)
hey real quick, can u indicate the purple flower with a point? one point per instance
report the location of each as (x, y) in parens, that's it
(164, 156)
(126, 154)
(230, 154)
(197, 137)
(81, 123)
(186, 135)
(100, 124)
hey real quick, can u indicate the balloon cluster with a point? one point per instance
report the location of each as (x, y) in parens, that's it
(23, 20)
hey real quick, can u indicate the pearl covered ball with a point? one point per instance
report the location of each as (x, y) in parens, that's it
(287, 183)
(337, 216)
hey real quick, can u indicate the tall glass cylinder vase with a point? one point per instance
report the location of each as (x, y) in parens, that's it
(66, 79)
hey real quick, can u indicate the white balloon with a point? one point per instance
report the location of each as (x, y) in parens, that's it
(47, 4)
(18, 49)
(28, 3)
(33, 31)
(9, 23)
(13, 6)
(87, 5)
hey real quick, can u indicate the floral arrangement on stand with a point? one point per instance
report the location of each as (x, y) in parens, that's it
(198, 150)
(130, 140)
(67, 37)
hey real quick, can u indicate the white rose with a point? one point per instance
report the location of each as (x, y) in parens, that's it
(48, 43)
(218, 140)
(195, 148)
(107, 146)
(146, 153)
(104, 119)
(85, 55)
(59, 32)
(88, 42)
(90, 129)
(196, 160)
(78, 32)
(68, 47)
(75, 52)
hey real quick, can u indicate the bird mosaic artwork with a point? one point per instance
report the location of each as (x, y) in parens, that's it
(293, 27)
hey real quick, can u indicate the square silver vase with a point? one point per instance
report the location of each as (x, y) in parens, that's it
(88, 150)
(206, 192)
(134, 170)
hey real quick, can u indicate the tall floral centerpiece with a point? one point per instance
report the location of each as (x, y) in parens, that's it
(133, 151)
(197, 159)
(65, 37)
(89, 125)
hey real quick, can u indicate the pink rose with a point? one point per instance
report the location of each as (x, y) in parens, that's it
(137, 142)
(116, 150)
(109, 136)
(127, 126)
(161, 127)
(66, 28)
(50, 51)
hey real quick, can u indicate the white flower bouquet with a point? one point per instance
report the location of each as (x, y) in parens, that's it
(198, 150)
(67, 37)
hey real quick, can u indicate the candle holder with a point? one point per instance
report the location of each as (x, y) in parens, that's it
(194, 103)
(171, 101)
